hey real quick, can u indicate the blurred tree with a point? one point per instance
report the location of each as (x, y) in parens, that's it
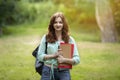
(105, 21)
(6, 9)
(116, 11)
(15, 12)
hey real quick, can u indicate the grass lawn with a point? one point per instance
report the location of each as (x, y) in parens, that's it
(99, 61)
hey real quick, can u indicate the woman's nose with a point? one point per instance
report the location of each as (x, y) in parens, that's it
(58, 24)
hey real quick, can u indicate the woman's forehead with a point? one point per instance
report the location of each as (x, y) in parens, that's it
(58, 19)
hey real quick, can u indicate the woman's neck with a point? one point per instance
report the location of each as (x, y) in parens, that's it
(59, 35)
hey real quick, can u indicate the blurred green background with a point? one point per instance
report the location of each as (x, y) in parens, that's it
(24, 22)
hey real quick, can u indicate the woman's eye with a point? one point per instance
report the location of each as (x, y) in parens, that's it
(55, 22)
(60, 22)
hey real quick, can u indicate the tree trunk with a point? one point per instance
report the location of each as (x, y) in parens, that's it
(105, 21)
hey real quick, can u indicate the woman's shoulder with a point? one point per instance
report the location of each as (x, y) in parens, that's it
(71, 39)
(43, 37)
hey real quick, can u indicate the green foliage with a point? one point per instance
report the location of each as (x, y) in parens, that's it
(22, 14)
(38, 13)
(78, 11)
(44, 11)
(7, 8)
(14, 12)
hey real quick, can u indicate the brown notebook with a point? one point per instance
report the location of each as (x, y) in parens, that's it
(67, 52)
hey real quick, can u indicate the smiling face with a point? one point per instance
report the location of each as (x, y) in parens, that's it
(58, 24)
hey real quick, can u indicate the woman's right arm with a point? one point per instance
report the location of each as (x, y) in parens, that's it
(51, 56)
(41, 51)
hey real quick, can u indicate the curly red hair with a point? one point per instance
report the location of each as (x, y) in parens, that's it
(51, 36)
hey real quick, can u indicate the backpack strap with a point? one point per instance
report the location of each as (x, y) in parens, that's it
(34, 53)
(46, 47)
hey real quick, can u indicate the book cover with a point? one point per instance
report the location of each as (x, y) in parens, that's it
(67, 52)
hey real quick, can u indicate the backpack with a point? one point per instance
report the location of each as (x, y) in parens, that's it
(38, 64)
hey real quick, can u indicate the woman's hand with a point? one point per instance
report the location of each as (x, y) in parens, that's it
(60, 59)
(51, 56)
(56, 55)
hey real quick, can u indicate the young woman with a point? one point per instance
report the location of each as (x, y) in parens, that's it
(57, 33)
